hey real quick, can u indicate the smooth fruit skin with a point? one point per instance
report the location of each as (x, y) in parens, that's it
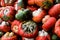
(29, 35)
(49, 24)
(57, 28)
(55, 10)
(39, 17)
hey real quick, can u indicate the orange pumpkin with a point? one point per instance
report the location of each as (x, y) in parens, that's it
(44, 3)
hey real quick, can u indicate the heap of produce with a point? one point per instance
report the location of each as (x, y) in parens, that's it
(29, 19)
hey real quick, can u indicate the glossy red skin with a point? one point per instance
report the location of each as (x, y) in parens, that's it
(32, 8)
(31, 2)
(5, 28)
(7, 4)
(10, 14)
(9, 38)
(30, 35)
(39, 17)
(43, 37)
(49, 24)
(15, 23)
(57, 28)
(55, 10)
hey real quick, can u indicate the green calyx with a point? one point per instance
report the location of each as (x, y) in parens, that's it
(6, 18)
(54, 37)
(23, 14)
(29, 26)
(20, 3)
(47, 4)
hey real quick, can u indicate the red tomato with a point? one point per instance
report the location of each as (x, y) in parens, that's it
(4, 26)
(55, 10)
(38, 15)
(49, 24)
(28, 29)
(15, 26)
(57, 28)
(43, 36)
(9, 36)
(7, 2)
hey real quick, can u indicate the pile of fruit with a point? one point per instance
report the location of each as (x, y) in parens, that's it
(29, 19)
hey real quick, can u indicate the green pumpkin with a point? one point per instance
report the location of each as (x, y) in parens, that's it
(54, 37)
(23, 14)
